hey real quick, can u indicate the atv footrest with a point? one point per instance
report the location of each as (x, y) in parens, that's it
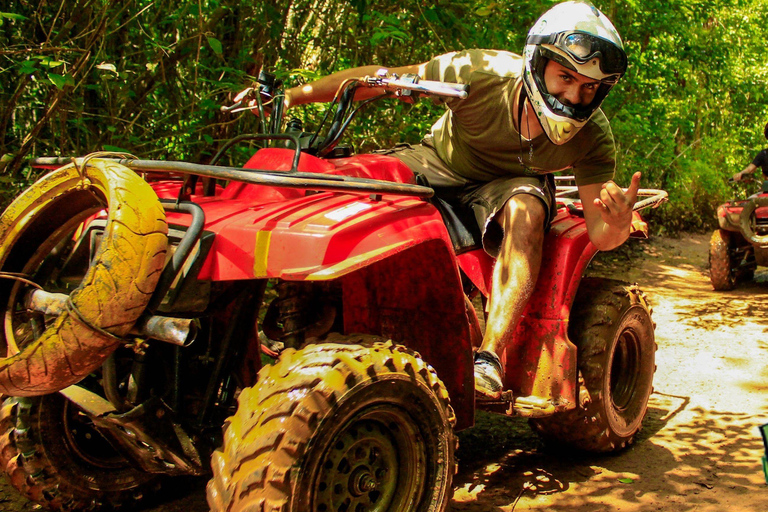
(764, 434)
(524, 406)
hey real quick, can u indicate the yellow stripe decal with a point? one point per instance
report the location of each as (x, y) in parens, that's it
(342, 267)
(261, 251)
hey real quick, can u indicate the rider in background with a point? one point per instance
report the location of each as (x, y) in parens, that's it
(761, 161)
(525, 118)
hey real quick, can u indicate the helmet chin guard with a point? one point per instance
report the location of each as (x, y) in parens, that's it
(578, 36)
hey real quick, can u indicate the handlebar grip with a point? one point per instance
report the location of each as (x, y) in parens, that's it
(428, 87)
(225, 108)
(446, 88)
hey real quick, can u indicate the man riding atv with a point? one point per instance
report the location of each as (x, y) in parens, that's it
(140, 295)
(759, 162)
(738, 245)
(494, 152)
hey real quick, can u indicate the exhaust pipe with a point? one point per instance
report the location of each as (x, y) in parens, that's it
(176, 331)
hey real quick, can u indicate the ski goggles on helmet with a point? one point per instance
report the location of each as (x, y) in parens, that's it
(582, 47)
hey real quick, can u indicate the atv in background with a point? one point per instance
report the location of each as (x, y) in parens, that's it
(740, 244)
(300, 328)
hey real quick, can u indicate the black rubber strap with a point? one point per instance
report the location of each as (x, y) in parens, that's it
(78, 317)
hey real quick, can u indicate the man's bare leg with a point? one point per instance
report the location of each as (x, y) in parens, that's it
(514, 276)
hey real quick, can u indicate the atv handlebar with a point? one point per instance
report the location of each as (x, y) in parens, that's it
(405, 87)
(266, 99)
(745, 179)
(657, 197)
(399, 85)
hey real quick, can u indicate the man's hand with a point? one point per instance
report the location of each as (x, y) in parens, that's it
(247, 100)
(615, 204)
(737, 176)
(244, 94)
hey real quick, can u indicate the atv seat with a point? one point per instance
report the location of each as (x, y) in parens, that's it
(461, 225)
(459, 221)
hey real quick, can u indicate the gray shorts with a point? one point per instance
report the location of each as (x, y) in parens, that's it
(485, 199)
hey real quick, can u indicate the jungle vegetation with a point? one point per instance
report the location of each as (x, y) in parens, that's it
(148, 77)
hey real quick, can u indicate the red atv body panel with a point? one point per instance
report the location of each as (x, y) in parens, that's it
(728, 214)
(399, 274)
(382, 249)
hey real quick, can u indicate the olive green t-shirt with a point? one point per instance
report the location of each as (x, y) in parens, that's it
(476, 137)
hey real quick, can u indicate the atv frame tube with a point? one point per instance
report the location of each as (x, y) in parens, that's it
(183, 250)
(285, 179)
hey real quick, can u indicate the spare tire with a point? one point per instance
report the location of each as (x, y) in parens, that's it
(745, 220)
(45, 355)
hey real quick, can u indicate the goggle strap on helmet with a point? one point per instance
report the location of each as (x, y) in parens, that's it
(582, 47)
(560, 59)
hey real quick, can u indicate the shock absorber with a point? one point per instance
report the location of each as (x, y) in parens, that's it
(291, 310)
(298, 313)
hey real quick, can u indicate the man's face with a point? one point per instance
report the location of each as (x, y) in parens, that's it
(569, 87)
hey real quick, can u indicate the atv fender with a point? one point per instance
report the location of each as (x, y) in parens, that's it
(321, 236)
(392, 255)
(415, 299)
(541, 359)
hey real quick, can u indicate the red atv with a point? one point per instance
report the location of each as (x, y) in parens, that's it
(316, 304)
(740, 244)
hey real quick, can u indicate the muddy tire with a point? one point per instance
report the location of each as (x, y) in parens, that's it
(44, 355)
(353, 424)
(746, 224)
(52, 455)
(612, 328)
(721, 268)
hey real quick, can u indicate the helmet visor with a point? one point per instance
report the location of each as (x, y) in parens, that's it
(582, 47)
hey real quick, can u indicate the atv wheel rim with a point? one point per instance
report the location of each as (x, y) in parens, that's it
(372, 465)
(87, 443)
(624, 370)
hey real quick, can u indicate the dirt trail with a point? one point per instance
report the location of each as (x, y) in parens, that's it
(700, 448)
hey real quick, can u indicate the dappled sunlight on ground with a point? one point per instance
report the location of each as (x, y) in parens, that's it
(686, 455)
(700, 447)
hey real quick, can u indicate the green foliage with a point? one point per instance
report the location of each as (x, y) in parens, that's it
(148, 77)
(686, 114)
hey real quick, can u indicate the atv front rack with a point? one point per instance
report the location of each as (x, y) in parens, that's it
(287, 179)
(653, 197)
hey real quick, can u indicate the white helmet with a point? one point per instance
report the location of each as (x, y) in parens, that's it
(578, 36)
